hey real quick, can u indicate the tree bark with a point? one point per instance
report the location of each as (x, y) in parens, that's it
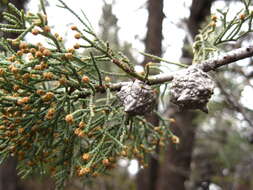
(153, 41)
(175, 170)
(147, 178)
(198, 12)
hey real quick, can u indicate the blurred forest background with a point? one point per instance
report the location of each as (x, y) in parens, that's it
(215, 150)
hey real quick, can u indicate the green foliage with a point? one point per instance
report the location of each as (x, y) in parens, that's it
(59, 110)
(16, 20)
(221, 30)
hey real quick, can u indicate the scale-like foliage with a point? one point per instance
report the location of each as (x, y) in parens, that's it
(60, 113)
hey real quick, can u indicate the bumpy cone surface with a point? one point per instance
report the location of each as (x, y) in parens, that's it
(191, 88)
(137, 98)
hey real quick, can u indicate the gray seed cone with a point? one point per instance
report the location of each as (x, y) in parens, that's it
(137, 98)
(191, 88)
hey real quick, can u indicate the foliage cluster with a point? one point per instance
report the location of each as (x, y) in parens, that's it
(59, 110)
(60, 114)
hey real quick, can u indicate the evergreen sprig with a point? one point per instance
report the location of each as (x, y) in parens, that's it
(221, 30)
(16, 20)
(59, 112)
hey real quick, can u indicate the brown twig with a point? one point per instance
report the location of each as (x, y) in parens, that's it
(208, 65)
(211, 64)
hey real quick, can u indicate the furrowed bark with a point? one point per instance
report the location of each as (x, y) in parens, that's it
(176, 170)
(147, 178)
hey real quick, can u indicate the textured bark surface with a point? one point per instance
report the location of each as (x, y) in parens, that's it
(147, 178)
(175, 170)
(153, 41)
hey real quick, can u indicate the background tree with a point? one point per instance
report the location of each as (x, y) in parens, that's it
(176, 169)
(147, 178)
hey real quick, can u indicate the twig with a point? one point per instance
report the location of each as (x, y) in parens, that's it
(227, 58)
(162, 60)
(96, 67)
(42, 4)
(147, 71)
(206, 66)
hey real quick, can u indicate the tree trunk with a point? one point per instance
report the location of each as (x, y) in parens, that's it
(174, 171)
(199, 11)
(147, 178)
(153, 41)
